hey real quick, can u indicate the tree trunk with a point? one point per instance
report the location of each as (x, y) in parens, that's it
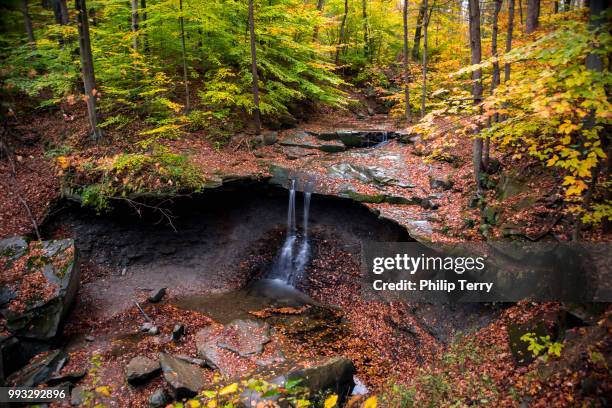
(417, 31)
(27, 21)
(406, 68)
(595, 63)
(256, 118)
(521, 10)
(533, 14)
(476, 56)
(509, 34)
(143, 19)
(320, 4)
(424, 86)
(366, 29)
(60, 11)
(135, 24)
(495, 79)
(341, 36)
(184, 52)
(87, 68)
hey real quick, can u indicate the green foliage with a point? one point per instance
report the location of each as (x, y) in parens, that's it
(557, 110)
(233, 395)
(542, 345)
(126, 175)
(398, 396)
(48, 69)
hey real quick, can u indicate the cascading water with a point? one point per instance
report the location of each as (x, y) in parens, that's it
(304, 252)
(384, 141)
(288, 267)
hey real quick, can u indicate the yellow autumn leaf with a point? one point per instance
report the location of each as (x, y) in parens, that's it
(331, 401)
(370, 402)
(211, 404)
(230, 389)
(103, 390)
(194, 404)
(63, 162)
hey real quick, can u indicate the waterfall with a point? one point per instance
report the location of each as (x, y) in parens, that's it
(384, 140)
(288, 267)
(304, 252)
(291, 209)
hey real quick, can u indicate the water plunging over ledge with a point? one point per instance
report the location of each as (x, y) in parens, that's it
(289, 265)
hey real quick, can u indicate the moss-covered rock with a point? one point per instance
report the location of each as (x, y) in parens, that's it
(44, 281)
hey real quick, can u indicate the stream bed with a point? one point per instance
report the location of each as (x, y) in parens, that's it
(218, 256)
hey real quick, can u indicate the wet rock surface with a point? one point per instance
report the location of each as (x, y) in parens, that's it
(244, 337)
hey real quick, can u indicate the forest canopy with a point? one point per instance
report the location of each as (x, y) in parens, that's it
(529, 79)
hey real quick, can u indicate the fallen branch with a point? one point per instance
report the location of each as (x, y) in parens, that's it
(143, 312)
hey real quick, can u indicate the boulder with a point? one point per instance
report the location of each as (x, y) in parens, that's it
(140, 369)
(159, 398)
(333, 375)
(178, 331)
(41, 318)
(245, 337)
(72, 377)
(77, 396)
(206, 345)
(157, 295)
(40, 369)
(13, 247)
(184, 379)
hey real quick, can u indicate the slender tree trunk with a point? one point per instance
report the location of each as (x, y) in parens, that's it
(27, 21)
(595, 63)
(533, 14)
(341, 36)
(509, 34)
(476, 53)
(135, 24)
(143, 13)
(556, 7)
(184, 51)
(87, 68)
(60, 12)
(366, 29)
(417, 31)
(495, 79)
(521, 11)
(406, 67)
(256, 118)
(424, 86)
(320, 5)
